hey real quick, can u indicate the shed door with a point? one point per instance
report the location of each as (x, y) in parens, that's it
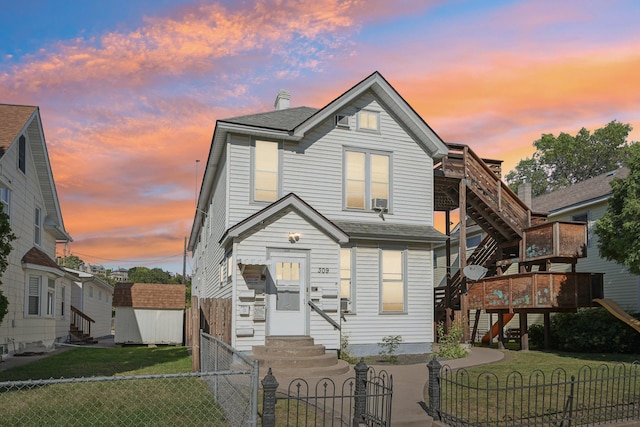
(286, 297)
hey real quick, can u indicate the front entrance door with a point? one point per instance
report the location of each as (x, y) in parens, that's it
(286, 294)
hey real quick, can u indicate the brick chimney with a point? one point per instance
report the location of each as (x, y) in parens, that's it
(524, 193)
(282, 100)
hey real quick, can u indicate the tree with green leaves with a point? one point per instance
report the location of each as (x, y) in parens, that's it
(148, 275)
(71, 261)
(6, 237)
(619, 228)
(564, 160)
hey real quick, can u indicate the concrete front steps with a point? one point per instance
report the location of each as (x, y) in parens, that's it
(297, 356)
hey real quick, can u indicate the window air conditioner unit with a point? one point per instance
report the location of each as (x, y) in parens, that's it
(345, 305)
(342, 121)
(379, 204)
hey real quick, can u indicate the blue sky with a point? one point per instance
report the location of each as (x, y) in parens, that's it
(129, 91)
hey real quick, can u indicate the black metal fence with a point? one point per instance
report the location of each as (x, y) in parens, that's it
(362, 400)
(607, 393)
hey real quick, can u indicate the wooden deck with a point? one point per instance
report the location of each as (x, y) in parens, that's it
(540, 291)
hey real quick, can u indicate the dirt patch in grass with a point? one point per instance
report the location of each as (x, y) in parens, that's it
(401, 359)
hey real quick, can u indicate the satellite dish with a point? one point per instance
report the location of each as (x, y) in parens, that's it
(475, 272)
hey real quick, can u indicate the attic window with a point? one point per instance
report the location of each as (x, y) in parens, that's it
(342, 121)
(368, 120)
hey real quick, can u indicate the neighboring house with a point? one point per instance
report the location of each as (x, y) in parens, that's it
(587, 201)
(149, 313)
(120, 275)
(95, 269)
(37, 288)
(312, 220)
(93, 296)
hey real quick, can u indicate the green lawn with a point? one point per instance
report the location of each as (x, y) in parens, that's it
(136, 402)
(93, 362)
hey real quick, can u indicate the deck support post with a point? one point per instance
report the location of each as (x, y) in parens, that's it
(547, 331)
(462, 258)
(501, 330)
(524, 334)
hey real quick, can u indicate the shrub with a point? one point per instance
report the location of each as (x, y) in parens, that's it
(345, 350)
(592, 330)
(449, 343)
(389, 345)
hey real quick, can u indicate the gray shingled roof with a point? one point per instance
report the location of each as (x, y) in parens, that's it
(13, 119)
(576, 194)
(391, 232)
(286, 119)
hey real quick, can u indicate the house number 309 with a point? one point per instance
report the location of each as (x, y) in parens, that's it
(323, 270)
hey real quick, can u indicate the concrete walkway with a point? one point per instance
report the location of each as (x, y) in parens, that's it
(409, 385)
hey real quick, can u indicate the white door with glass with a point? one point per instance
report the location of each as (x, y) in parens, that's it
(286, 295)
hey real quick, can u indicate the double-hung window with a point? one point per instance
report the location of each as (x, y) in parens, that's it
(266, 169)
(51, 297)
(33, 300)
(37, 222)
(346, 280)
(393, 277)
(367, 176)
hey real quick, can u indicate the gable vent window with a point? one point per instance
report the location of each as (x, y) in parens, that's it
(22, 154)
(342, 121)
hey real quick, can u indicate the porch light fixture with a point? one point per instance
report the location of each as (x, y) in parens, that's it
(294, 237)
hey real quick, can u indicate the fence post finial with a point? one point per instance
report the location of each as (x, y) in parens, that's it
(269, 387)
(360, 395)
(434, 388)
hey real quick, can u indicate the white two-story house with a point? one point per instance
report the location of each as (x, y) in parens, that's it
(37, 289)
(319, 222)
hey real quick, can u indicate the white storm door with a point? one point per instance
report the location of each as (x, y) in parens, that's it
(287, 305)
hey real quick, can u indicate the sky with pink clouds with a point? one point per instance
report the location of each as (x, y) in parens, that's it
(129, 91)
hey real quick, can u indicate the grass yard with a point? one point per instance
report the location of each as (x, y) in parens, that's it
(95, 362)
(136, 402)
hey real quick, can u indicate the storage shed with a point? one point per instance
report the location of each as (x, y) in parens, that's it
(149, 313)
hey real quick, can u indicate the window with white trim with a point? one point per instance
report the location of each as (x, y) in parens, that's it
(37, 223)
(34, 287)
(346, 279)
(367, 176)
(5, 200)
(63, 302)
(368, 120)
(22, 154)
(223, 273)
(229, 260)
(51, 297)
(393, 292)
(266, 169)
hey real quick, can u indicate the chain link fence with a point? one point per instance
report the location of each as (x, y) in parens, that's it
(224, 393)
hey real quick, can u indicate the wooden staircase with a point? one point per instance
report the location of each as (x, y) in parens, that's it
(80, 328)
(297, 356)
(490, 203)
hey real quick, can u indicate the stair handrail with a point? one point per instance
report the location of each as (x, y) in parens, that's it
(464, 153)
(324, 315)
(81, 320)
(482, 254)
